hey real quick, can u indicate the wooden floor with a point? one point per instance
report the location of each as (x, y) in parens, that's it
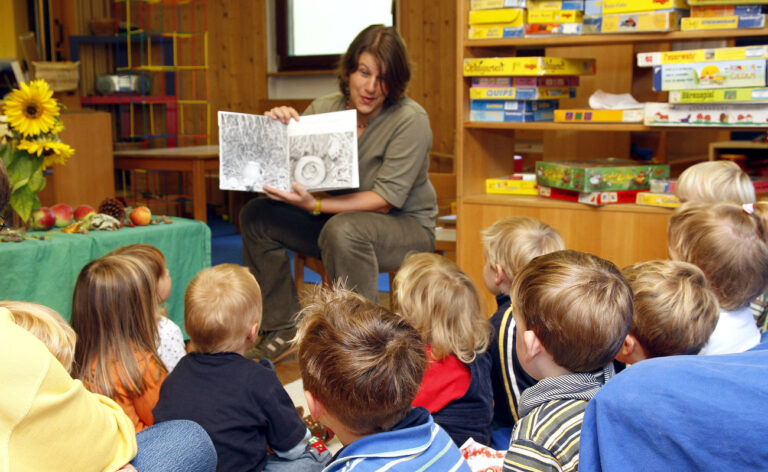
(288, 369)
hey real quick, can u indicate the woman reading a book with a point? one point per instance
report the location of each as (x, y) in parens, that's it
(357, 233)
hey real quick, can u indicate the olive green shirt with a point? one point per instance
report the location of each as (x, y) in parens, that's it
(393, 156)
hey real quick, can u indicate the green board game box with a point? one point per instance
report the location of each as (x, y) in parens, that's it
(599, 174)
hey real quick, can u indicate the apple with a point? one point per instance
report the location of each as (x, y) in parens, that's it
(83, 212)
(43, 219)
(64, 214)
(141, 216)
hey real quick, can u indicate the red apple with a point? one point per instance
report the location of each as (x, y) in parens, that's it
(43, 219)
(83, 212)
(64, 214)
(141, 216)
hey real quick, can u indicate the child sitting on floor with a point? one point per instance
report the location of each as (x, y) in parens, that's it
(47, 325)
(239, 402)
(438, 299)
(727, 242)
(675, 312)
(361, 366)
(170, 342)
(572, 311)
(113, 314)
(509, 244)
(714, 182)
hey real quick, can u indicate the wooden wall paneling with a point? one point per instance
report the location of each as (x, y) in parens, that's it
(428, 31)
(622, 234)
(237, 54)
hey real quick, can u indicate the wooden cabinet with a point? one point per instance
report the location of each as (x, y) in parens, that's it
(623, 234)
(88, 176)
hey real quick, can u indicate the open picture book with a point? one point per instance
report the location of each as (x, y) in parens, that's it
(318, 151)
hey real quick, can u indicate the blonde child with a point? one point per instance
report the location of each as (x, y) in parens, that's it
(714, 182)
(239, 402)
(675, 313)
(113, 314)
(361, 366)
(572, 311)
(727, 242)
(442, 303)
(170, 342)
(509, 244)
(48, 326)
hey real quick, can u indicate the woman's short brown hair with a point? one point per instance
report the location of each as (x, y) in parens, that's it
(385, 44)
(727, 244)
(361, 361)
(577, 304)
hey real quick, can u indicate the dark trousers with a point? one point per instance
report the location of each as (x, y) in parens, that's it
(354, 246)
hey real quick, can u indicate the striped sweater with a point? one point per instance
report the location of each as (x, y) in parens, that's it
(547, 436)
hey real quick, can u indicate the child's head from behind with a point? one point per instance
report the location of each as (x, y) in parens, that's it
(442, 303)
(727, 243)
(113, 314)
(510, 243)
(675, 312)
(713, 182)
(155, 263)
(578, 306)
(363, 363)
(222, 309)
(46, 325)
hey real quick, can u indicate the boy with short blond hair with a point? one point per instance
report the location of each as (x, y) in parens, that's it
(573, 311)
(239, 402)
(675, 311)
(509, 244)
(361, 366)
(714, 182)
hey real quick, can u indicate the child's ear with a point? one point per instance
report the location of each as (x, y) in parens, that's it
(252, 334)
(316, 409)
(631, 351)
(533, 346)
(501, 276)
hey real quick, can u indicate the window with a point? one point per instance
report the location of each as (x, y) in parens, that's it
(313, 34)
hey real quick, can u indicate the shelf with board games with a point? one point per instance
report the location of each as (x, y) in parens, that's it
(623, 38)
(624, 233)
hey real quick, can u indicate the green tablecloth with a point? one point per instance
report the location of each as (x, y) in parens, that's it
(45, 272)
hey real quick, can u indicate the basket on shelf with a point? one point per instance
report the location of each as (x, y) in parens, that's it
(61, 76)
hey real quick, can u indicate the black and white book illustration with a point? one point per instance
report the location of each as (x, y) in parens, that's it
(318, 151)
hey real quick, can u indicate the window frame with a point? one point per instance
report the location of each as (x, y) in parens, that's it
(286, 62)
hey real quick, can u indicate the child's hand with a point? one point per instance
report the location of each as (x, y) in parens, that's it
(127, 468)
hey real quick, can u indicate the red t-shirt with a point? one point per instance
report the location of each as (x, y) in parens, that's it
(444, 381)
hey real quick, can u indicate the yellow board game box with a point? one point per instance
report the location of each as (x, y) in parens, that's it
(491, 4)
(641, 22)
(718, 95)
(510, 17)
(598, 116)
(667, 200)
(555, 16)
(722, 22)
(512, 185)
(630, 6)
(648, 59)
(527, 66)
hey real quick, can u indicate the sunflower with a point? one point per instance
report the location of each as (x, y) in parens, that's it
(31, 109)
(54, 152)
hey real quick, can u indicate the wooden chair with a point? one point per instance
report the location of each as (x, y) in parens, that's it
(300, 261)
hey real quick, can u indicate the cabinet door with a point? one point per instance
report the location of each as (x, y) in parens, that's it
(88, 176)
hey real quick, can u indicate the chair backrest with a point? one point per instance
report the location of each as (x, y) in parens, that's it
(445, 188)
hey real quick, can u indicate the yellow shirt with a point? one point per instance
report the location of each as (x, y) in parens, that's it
(48, 421)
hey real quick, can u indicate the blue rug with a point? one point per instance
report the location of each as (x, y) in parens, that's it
(227, 247)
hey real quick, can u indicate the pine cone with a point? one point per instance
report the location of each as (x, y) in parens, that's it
(113, 207)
